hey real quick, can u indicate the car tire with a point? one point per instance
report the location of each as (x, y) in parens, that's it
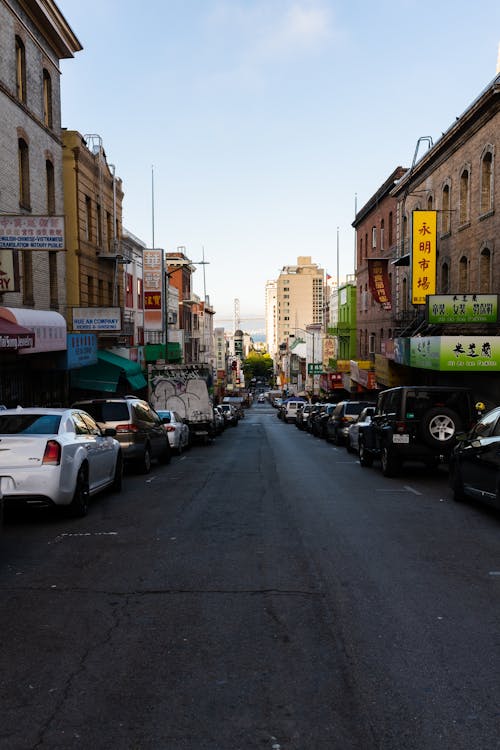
(165, 456)
(79, 506)
(439, 427)
(365, 457)
(145, 464)
(388, 462)
(118, 477)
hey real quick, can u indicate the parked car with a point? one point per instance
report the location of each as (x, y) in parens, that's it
(139, 429)
(238, 403)
(220, 422)
(290, 409)
(316, 408)
(416, 423)
(56, 457)
(301, 416)
(358, 426)
(176, 429)
(319, 419)
(230, 414)
(475, 461)
(261, 399)
(344, 414)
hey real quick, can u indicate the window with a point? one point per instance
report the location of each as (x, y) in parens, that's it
(382, 232)
(486, 182)
(463, 280)
(47, 99)
(90, 290)
(374, 237)
(485, 271)
(109, 231)
(405, 234)
(27, 256)
(51, 188)
(445, 278)
(129, 290)
(140, 296)
(445, 210)
(100, 287)
(24, 174)
(99, 226)
(464, 197)
(390, 228)
(53, 282)
(88, 219)
(20, 70)
(429, 203)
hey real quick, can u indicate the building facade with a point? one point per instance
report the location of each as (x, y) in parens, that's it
(299, 297)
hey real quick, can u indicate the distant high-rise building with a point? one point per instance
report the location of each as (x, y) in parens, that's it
(271, 318)
(299, 298)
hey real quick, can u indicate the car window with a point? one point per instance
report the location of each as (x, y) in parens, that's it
(30, 424)
(111, 411)
(354, 408)
(486, 426)
(143, 412)
(92, 425)
(80, 427)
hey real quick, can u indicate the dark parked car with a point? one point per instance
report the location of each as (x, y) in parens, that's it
(475, 461)
(344, 414)
(301, 416)
(416, 423)
(320, 418)
(139, 429)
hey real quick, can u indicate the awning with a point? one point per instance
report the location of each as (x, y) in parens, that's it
(403, 260)
(14, 337)
(105, 375)
(48, 326)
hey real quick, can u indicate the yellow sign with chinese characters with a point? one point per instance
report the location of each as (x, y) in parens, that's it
(423, 259)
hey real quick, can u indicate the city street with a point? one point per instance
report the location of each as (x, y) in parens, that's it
(261, 592)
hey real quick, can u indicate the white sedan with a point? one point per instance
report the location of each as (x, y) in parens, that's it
(355, 428)
(56, 457)
(176, 429)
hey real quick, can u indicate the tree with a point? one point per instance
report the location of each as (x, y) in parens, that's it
(257, 365)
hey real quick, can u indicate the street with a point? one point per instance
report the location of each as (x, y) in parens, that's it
(263, 592)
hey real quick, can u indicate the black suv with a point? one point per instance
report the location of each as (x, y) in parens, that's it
(139, 429)
(415, 423)
(339, 421)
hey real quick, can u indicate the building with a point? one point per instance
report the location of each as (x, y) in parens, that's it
(34, 37)
(271, 318)
(299, 297)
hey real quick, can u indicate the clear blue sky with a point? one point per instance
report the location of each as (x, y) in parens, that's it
(263, 119)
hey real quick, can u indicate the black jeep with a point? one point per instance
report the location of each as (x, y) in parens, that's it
(415, 423)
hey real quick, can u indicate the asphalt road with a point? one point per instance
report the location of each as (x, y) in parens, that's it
(264, 592)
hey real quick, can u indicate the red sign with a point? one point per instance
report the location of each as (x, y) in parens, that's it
(379, 282)
(152, 300)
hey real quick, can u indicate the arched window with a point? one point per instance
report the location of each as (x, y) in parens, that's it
(429, 203)
(464, 197)
(445, 278)
(486, 182)
(51, 189)
(360, 250)
(47, 99)
(382, 234)
(24, 173)
(485, 271)
(445, 210)
(463, 275)
(404, 300)
(406, 248)
(20, 70)
(390, 228)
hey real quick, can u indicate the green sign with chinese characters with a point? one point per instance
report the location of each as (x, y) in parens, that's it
(456, 353)
(462, 308)
(315, 369)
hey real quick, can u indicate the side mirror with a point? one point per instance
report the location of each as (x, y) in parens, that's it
(109, 432)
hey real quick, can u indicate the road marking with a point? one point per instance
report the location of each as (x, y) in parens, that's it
(411, 489)
(494, 573)
(60, 537)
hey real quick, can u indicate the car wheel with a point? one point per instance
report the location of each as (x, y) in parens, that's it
(365, 457)
(118, 477)
(145, 464)
(388, 462)
(165, 456)
(79, 506)
(439, 427)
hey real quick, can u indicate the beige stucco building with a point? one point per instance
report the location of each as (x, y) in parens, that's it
(299, 297)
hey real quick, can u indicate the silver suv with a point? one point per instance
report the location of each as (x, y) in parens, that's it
(139, 429)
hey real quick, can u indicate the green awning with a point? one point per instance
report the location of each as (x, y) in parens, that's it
(105, 375)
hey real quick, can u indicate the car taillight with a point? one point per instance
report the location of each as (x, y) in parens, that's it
(400, 427)
(52, 453)
(126, 428)
(169, 428)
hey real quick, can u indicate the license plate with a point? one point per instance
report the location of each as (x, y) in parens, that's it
(400, 438)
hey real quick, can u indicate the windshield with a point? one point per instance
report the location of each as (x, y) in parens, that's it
(30, 424)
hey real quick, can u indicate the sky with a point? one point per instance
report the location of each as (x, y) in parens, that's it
(254, 128)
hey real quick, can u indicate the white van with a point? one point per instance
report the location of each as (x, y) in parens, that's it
(291, 410)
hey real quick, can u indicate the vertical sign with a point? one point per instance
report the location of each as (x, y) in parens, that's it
(153, 288)
(423, 274)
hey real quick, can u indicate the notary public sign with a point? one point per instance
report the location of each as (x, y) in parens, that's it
(31, 232)
(462, 308)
